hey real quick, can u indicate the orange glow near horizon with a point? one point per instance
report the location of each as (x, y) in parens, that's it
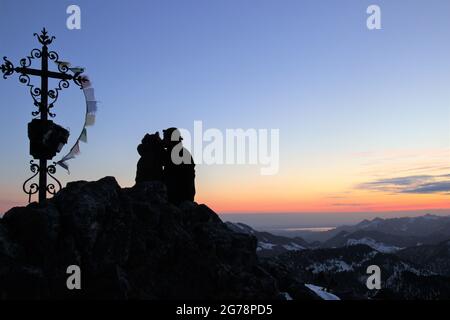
(367, 203)
(332, 187)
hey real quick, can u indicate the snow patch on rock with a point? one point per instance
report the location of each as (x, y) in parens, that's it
(265, 246)
(286, 296)
(321, 292)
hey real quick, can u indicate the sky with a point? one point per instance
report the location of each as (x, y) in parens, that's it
(363, 115)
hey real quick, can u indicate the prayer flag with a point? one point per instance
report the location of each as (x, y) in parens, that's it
(91, 106)
(89, 94)
(90, 119)
(83, 136)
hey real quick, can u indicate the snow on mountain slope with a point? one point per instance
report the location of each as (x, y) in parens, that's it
(262, 245)
(330, 265)
(293, 246)
(265, 246)
(286, 296)
(321, 292)
(379, 246)
(269, 244)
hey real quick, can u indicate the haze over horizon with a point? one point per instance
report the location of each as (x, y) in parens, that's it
(363, 115)
(269, 221)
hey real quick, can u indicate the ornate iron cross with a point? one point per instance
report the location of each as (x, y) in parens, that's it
(44, 99)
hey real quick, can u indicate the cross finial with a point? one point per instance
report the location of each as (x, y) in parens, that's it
(43, 38)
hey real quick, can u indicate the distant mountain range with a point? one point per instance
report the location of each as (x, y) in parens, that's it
(383, 235)
(413, 254)
(420, 227)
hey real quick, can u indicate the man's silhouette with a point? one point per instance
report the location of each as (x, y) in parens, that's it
(179, 168)
(150, 165)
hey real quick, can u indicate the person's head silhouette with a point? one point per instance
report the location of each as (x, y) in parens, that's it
(171, 137)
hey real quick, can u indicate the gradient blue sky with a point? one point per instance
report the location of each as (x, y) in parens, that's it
(310, 68)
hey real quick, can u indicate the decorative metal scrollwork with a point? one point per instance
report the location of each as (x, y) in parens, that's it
(63, 68)
(78, 79)
(34, 187)
(35, 54)
(63, 84)
(35, 92)
(7, 68)
(54, 93)
(51, 188)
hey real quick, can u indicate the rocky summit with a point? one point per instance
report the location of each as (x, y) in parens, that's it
(129, 244)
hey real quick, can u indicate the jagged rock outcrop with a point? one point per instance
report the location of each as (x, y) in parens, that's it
(130, 244)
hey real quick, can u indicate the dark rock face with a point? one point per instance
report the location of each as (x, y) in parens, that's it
(130, 244)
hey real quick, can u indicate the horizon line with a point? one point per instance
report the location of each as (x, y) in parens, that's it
(447, 211)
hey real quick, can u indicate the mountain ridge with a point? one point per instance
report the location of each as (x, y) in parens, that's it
(129, 243)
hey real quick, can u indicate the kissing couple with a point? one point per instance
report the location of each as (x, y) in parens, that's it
(166, 160)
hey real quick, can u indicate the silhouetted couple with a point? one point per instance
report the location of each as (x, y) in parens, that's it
(168, 161)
